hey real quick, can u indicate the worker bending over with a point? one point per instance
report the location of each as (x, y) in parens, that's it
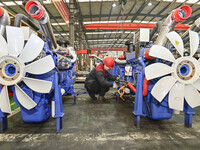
(97, 80)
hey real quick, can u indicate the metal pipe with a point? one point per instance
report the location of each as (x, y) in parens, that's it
(4, 17)
(4, 20)
(38, 12)
(21, 17)
(195, 27)
(120, 62)
(97, 57)
(155, 29)
(175, 17)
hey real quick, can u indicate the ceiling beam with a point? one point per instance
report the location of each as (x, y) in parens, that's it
(128, 26)
(115, 15)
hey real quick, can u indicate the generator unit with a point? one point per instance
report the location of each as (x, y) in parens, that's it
(166, 73)
(38, 71)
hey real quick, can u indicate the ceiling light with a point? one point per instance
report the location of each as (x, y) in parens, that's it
(114, 5)
(149, 4)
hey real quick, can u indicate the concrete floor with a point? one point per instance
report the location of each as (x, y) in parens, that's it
(89, 126)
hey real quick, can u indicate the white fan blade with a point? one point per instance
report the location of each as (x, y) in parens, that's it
(15, 39)
(194, 42)
(32, 49)
(176, 40)
(41, 66)
(161, 52)
(157, 70)
(197, 84)
(176, 97)
(192, 96)
(40, 86)
(3, 47)
(24, 99)
(4, 101)
(162, 87)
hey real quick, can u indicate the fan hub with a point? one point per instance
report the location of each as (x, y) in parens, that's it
(186, 70)
(11, 70)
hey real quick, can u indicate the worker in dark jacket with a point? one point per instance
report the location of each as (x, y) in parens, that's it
(97, 80)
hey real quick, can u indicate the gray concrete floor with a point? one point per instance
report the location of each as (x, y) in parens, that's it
(89, 126)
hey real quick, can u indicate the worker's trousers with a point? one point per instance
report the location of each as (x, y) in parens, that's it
(94, 86)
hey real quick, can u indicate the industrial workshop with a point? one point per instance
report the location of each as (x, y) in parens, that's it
(99, 74)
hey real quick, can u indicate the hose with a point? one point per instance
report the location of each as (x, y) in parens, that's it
(21, 17)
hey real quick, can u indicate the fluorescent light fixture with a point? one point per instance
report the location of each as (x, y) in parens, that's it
(152, 22)
(136, 21)
(144, 21)
(65, 34)
(62, 23)
(56, 24)
(1, 4)
(61, 34)
(128, 32)
(47, 2)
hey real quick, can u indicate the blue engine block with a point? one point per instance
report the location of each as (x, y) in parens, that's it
(147, 106)
(47, 104)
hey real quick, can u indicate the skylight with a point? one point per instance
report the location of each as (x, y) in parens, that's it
(9, 3)
(191, 1)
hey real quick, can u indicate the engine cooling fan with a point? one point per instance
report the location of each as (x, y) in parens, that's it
(181, 79)
(13, 59)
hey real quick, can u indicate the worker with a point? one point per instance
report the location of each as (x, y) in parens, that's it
(97, 80)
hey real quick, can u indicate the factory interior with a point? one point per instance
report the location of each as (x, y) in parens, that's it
(99, 74)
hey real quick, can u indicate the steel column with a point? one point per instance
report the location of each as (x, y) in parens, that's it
(71, 23)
